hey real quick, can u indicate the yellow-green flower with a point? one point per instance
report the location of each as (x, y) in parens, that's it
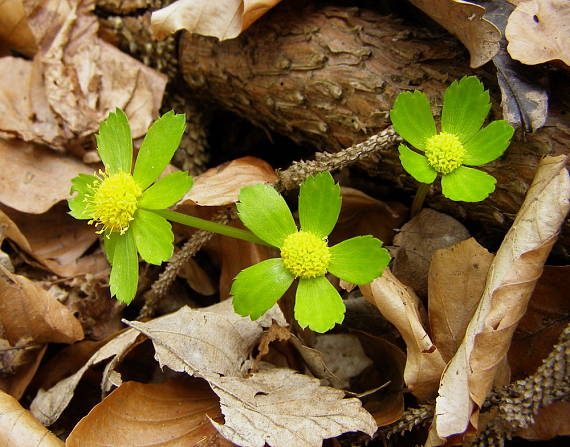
(461, 143)
(305, 254)
(123, 205)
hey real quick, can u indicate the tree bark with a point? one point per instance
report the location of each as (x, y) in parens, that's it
(327, 76)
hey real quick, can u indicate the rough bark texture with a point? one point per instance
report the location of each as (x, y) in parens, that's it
(327, 76)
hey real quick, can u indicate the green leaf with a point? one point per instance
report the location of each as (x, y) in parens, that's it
(265, 212)
(114, 143)
(465, 107)
(358, 260)
(166, 191)
(488, 144)
(318, 305)
(412, 119)
(416, 165)
(109, 244)
(125, 270)
(78, 207)
(467, 185)
(319, 204)
(153, 236)
(158, 147)
(257, 288)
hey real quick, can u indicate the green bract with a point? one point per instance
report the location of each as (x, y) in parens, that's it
(124, 206)
(461, 143)
(304, 254)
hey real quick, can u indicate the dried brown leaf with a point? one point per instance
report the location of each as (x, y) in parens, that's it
(456, 281)
(29, 312)
(14, 28)
(465, 21)
(8, 229)
(401, 307)
(418, 240)
(224, 19)
(551, 421)
(48, 405)
(538, 32)
(18, 365)
(33, 179)
(282, 408)
(221, 185)
(212, 340)
(19, 428)
(510, 283)
(170, 414)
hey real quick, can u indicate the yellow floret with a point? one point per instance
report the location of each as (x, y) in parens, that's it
(305, 254)
(444, 152)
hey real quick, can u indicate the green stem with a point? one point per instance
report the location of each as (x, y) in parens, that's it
(419, 198)
(212, 227)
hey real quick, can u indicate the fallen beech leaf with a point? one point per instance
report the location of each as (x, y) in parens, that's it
(512, 276)
(539, 329)
(170, 414)
(401, 307)
(212, 340)
(282, 408)
(19, 428)
(18, 365)
(221, 185)
(197, 278)
(465, 21)
(14, 29)
(224, 19)
(550, 422)
(456, 281)
(8, 229)
(33, 179)
(418, 240)
(29, 312)
(538, 31)
(48, 405)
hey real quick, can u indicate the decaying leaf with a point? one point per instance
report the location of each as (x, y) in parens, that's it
(18, 365)
(221, 185)
(171, 414)
(538, 31)
(400, 305)
(19, 428)
(551, 421)
(33, 179)
(456, 281)
(29, 312)
(224, 19)
(465, 20)
(48, 405)
(14, 30)
(524, 98)
(213, 340)
(8, 229)
(282, 408)
(418, 240)
(510, 282)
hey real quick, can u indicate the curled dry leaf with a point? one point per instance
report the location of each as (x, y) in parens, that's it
(33, 179)
(538, 32)
(171, 414)
(9, 229)
(510, 283)
(15, 32)
(221, 185)
(213, 340)
(48, 405)
(418, 240)
(18, 366)
(224, 19)
(401, 307)
(18, 426)
(465, 20)
(456, 281)
(29, 312)
(282, 408)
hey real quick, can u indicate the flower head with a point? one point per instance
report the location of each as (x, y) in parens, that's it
(305, 254)
(123, 205)
(461, 143)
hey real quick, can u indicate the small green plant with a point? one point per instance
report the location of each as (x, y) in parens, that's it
(129, 207)
(305, 254)
(461, 143)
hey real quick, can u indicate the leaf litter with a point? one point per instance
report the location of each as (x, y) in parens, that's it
(70, 82)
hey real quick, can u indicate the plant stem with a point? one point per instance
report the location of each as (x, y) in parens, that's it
(213, 227)
(419, 198)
